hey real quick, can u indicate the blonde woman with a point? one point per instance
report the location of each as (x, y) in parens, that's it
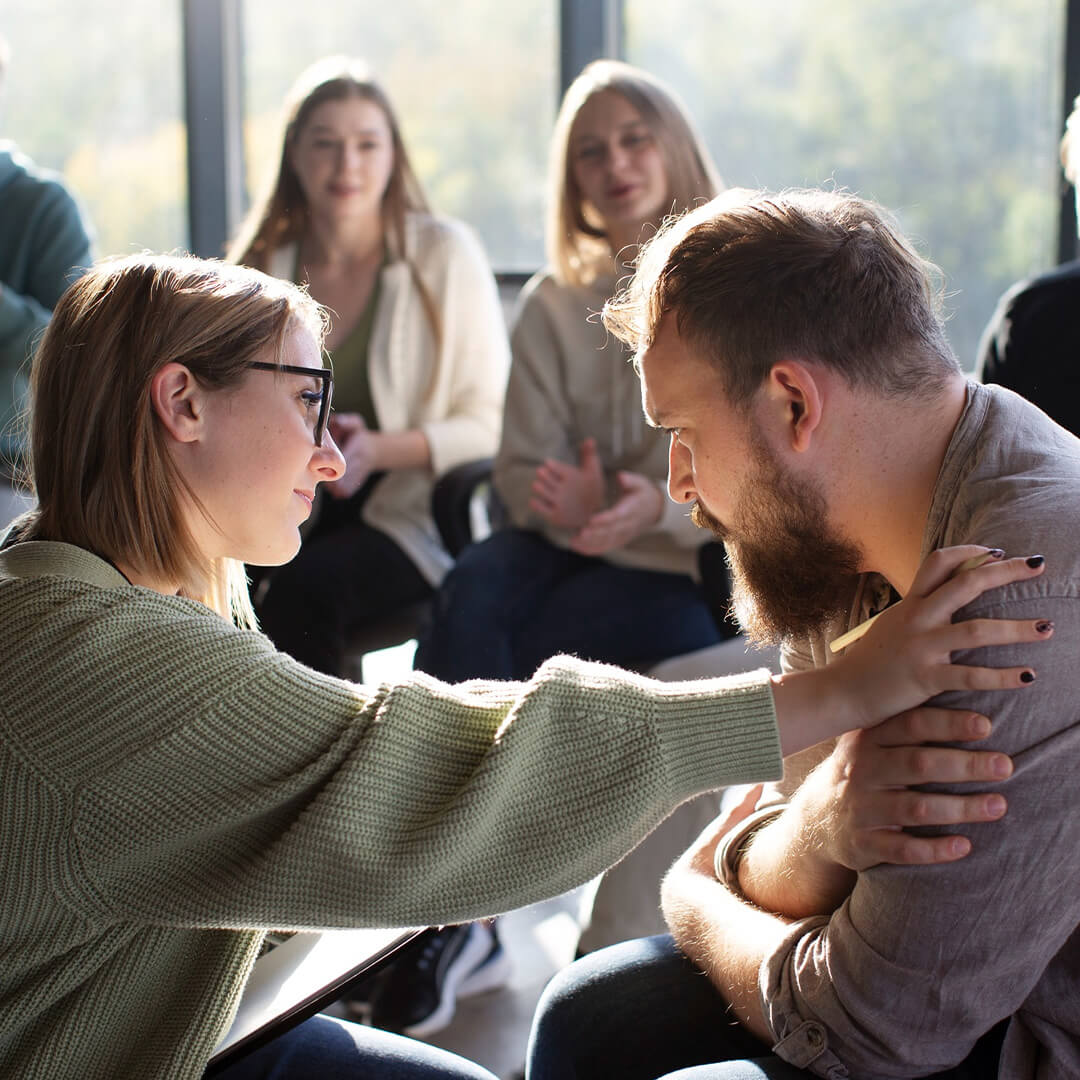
(173, 785)
(598, 561)
(419, 355)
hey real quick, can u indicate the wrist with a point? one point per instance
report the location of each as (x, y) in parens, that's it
(812, 706)
(786, 870)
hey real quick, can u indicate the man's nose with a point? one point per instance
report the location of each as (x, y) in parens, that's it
(680, 474)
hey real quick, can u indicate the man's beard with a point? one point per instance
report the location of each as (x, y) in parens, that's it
(789, 574)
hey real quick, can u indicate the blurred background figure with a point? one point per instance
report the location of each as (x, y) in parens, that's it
(1032, 342)
(598, 561)
(419, 353)
(44, 245)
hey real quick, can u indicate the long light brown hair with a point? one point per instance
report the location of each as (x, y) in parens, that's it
(279, 215)
(100, 462)
(577, 246)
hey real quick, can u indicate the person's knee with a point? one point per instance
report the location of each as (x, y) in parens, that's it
(589, 998)
(486, 576)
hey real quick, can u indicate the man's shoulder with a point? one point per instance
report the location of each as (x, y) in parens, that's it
(1015, 485)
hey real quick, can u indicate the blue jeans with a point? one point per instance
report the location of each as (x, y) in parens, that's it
(641, 1011)
(324, 1048)
(515, 599)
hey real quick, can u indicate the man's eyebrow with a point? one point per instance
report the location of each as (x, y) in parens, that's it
(661, 421)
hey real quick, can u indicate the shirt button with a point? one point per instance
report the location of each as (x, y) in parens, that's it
(814, 1035)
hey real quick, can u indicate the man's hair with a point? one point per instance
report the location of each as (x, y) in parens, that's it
(1070, 144)
(753, 277)
(100, 463)
(576, 242)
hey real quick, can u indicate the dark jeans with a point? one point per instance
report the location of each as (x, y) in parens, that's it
(641, 1011)
(327, 1049)
(346, 575)
(513, 600)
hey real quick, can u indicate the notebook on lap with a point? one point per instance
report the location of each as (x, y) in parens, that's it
(298, 978)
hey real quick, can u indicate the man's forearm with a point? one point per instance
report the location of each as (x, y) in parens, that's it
(783, 869)
(727, 937)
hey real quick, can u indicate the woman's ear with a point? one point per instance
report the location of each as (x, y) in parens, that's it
(796, 394)
(177, 399)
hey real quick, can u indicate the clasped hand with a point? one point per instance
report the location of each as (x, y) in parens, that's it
(358, 445)
(572, 497)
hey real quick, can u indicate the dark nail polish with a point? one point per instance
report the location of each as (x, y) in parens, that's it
(996, 553)
(1035, 561)
(1044, 626)
(1027, 676)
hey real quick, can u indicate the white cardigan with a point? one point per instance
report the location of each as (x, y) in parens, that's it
(452, 391)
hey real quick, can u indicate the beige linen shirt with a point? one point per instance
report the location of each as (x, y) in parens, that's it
(569, 380)
(921, 961)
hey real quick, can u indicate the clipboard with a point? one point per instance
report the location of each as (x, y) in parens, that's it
(298, 978)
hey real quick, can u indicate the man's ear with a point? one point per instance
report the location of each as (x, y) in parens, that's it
(177, 399)
(794, 393)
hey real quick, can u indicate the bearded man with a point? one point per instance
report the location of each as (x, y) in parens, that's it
(821, 427)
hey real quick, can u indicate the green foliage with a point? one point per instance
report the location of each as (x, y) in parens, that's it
(948, 113)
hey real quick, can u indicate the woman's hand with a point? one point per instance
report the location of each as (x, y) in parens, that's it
(905, 658)
(358, 446)
(635, 511)
(566, 496)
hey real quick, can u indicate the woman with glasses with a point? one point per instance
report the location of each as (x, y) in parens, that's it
(173, 786)
(419, 356)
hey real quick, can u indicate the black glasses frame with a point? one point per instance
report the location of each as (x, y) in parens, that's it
(327, 377)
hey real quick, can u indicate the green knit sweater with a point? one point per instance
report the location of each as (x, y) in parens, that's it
(172, 787)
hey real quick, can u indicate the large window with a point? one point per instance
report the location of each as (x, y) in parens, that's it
(94, 92)
(474, 83)
(947, 113)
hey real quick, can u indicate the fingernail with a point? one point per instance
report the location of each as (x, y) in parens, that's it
(1027, 676)
(1044, 626)
(980, 725)
(1000, 765)
(995, 806)
(996, 553)
(1035, 561)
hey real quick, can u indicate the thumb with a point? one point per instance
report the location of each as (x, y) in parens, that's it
(632, 481)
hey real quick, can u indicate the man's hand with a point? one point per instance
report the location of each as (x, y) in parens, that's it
(358, 446)
(636, 510)
(567, 496)
(850, 812)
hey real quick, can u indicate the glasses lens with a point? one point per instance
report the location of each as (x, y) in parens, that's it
(324, 409)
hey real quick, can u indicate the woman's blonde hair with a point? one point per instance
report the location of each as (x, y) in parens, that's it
(577, 247)
(279, 216)
(100, 462)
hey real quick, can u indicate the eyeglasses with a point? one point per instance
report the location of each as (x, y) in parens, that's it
(326, 392)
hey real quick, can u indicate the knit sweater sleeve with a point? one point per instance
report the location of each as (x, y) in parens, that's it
(259, 793)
